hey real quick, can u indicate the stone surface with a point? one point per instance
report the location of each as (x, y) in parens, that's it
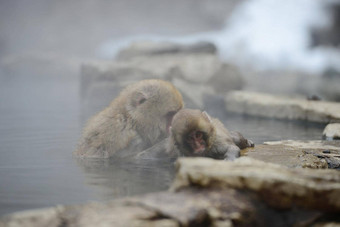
(279, 186)
(227, 78)
(149, 48)
(39, 217)
(281, 107)
(329, 87)
(193, 94)
(196, 75)
(307, 154)
(332, 131)
(208, 192)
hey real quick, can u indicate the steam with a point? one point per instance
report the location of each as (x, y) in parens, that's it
(263, 34)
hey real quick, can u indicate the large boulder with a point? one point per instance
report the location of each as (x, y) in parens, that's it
(329, 84)
(197, 74)
(208, 192)
(278, 186)
(313, 154)
(282, 107)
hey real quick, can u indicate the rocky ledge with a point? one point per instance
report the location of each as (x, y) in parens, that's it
(315, 154)
(207, 192)
(281, 107)
(196, 70)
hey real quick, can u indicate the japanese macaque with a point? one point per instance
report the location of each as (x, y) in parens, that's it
(137, 119)
(195, 133)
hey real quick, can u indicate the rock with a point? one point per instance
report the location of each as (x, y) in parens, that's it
(332, 131)
(313, 154)
(281, 81)
(208, 192)
(196, 68)
(93, 214)
(227, 78)
(329, 84)
(195, 75)
(38, 217)
(193, 94)
(149, 48)
(281, 107)
(278, 186)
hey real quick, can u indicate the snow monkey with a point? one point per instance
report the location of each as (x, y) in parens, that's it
(195, 133)
(137, 119)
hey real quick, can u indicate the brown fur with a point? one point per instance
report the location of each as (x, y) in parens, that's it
(134, 121)
(220, 143)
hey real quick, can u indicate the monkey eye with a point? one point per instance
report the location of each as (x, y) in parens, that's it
(199, 135)
(142, 100)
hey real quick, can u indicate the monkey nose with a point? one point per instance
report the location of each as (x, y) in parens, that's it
(199, 148)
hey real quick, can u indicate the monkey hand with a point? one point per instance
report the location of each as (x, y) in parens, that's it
(250, 143)
(232, 153)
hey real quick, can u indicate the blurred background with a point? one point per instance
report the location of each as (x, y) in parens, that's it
(49, 50)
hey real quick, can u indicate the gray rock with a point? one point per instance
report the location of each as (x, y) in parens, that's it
(208, 192)
(149, 48)
(313, 154)
(281, 107)
(193, 94)
(332, 131)
(329, 88)
(281, 81)
(278, 186)
(227, 78)
(38, 217)
(197, 68)
(195, 75)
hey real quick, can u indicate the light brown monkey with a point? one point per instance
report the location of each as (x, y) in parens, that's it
(137, 119)
(195, 133)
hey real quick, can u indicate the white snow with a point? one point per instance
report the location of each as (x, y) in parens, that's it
(264, 34)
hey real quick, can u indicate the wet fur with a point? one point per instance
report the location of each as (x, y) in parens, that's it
(221, 144)
(134, 121)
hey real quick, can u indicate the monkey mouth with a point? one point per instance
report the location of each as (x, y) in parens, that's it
(199, 149)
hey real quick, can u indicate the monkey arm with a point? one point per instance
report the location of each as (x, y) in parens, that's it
(224, 149)
(157, 151)
(240, 141)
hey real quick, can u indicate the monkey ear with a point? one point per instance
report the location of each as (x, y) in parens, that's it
(138, 98)
(206, 115)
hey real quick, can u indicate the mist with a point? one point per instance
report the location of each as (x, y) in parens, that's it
(45, 44)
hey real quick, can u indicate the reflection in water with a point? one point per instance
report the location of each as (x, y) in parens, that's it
(117, 178)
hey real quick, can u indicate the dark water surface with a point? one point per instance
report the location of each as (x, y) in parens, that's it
(39, 128)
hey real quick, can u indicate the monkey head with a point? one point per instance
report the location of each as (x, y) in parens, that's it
(151, 104)
(192, 132)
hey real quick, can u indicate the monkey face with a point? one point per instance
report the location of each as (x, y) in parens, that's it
(196, 142)
(192, 132)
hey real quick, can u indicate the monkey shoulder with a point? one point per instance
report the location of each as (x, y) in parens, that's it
(222, 133)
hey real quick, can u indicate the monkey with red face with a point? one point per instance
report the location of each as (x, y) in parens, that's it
(194, 133)
(136, 120)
